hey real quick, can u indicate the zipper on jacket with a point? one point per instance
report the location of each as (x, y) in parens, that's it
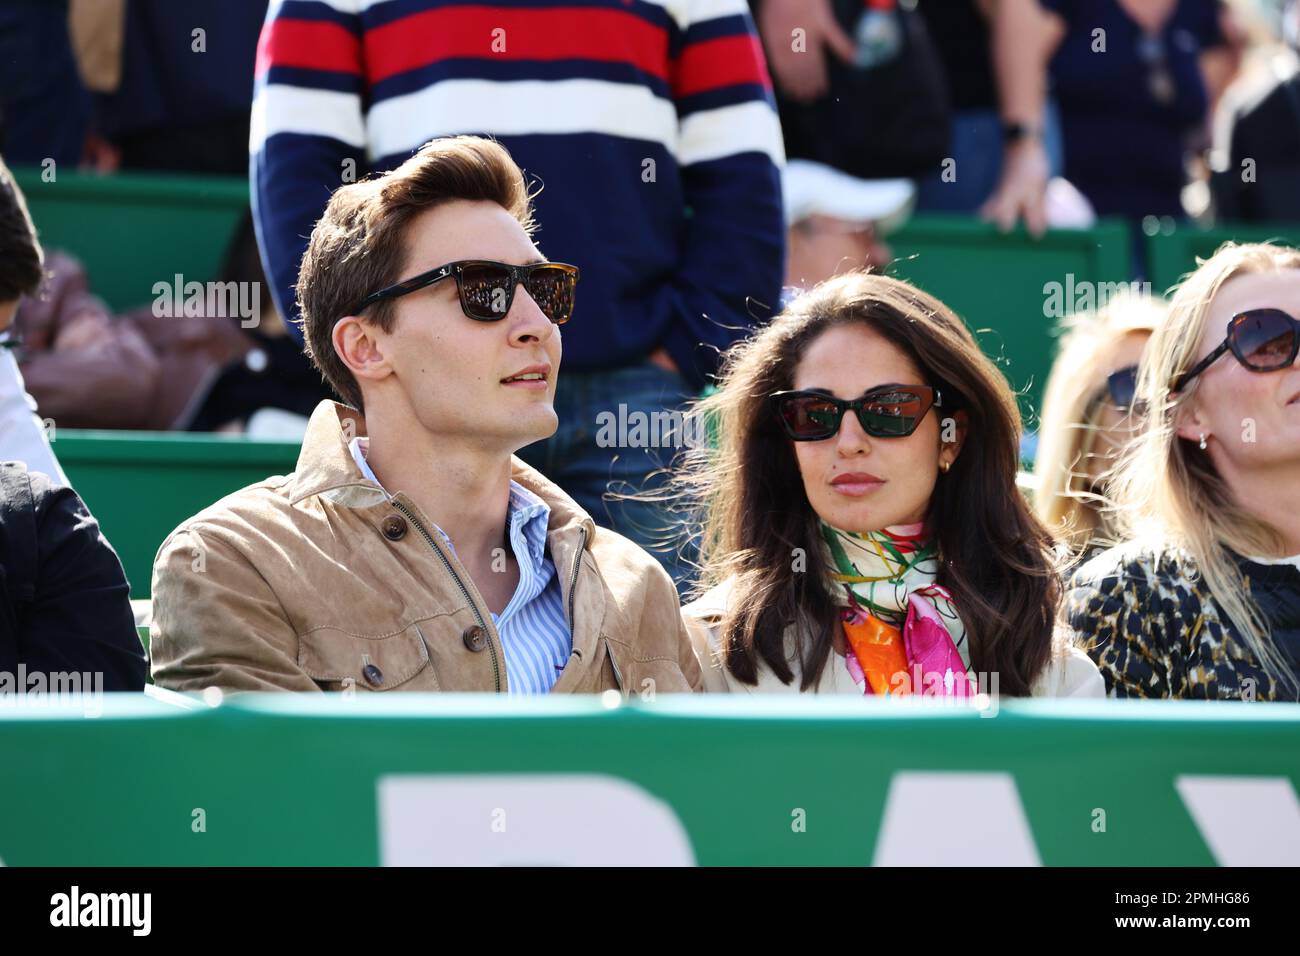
(618, 676)
(496, 668)
(573, 579)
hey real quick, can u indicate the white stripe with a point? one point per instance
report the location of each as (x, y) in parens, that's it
(401, 124)
(687, 13)
(728, 130)
(278, 108)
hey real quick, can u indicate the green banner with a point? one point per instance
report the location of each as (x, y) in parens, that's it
(428, 779)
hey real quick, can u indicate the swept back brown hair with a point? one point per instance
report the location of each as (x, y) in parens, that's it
(995, 556)
(359, 245)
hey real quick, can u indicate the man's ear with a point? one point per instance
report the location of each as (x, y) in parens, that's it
(362, 347)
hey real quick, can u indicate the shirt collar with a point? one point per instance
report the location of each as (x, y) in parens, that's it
(527, 514)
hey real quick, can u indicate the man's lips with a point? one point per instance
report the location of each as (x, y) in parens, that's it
(534, 376)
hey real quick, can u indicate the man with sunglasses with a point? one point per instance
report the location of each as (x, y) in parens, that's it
(410, 550)
(650, 127)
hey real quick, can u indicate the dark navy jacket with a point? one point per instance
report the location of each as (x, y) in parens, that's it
(64, 601)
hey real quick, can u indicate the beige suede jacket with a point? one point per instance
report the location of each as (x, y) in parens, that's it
(319, 580)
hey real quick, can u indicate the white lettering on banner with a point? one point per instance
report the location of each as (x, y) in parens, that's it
(555, 820)
(931, 818)
(1245, 821)
(954, 819)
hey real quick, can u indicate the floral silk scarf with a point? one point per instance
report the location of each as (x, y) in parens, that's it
(903, 634)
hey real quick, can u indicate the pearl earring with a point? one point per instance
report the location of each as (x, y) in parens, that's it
(1202, 441)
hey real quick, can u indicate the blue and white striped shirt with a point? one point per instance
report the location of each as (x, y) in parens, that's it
(534, 633)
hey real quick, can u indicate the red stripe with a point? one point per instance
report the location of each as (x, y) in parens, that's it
(558, 33)
(308, 44)
(713, 64)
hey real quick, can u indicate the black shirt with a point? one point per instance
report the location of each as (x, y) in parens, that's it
(961, 35)
(1266, 131)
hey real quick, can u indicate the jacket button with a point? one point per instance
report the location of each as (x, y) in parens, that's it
(475, 638)
(373, 675)
(394, 527)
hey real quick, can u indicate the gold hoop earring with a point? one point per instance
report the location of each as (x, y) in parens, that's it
(944, 466)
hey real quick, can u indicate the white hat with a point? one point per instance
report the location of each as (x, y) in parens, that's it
(817, 189)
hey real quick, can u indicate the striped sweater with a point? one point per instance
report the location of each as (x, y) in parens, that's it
(649, 123)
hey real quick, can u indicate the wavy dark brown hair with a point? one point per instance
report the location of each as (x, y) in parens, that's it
(996, 558)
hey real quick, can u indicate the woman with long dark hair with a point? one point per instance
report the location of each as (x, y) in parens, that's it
(862, 529)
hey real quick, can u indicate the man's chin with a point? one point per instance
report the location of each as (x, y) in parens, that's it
(535, 425)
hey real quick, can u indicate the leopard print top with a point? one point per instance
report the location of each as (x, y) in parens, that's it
(1147, 618)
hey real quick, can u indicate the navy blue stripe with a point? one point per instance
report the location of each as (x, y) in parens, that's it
(395, 10)
(735, 26)
(314, 79)
(723, 96)
(505, 71)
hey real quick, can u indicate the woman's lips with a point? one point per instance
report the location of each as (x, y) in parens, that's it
(856, 484)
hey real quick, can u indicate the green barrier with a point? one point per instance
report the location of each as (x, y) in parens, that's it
(131, 231)
(1172, 254)
(1000, 284)
(141, 485)
(308, 780)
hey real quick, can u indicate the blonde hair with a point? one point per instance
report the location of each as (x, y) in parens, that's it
(1068, 427)
(1167, 492)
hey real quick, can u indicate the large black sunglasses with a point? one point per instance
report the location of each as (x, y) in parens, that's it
(1263, 340)
(888, 411)
(487, 288)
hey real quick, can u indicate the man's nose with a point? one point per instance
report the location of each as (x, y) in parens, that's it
(527, 318)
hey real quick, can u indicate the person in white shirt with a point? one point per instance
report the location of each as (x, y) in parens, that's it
(22, 434)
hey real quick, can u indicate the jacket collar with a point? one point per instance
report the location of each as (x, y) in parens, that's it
(326, 464)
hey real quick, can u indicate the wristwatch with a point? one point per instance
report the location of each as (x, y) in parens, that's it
(1014, 132)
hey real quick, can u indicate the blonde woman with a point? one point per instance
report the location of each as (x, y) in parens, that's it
(1205, 600)
(1089, 416)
